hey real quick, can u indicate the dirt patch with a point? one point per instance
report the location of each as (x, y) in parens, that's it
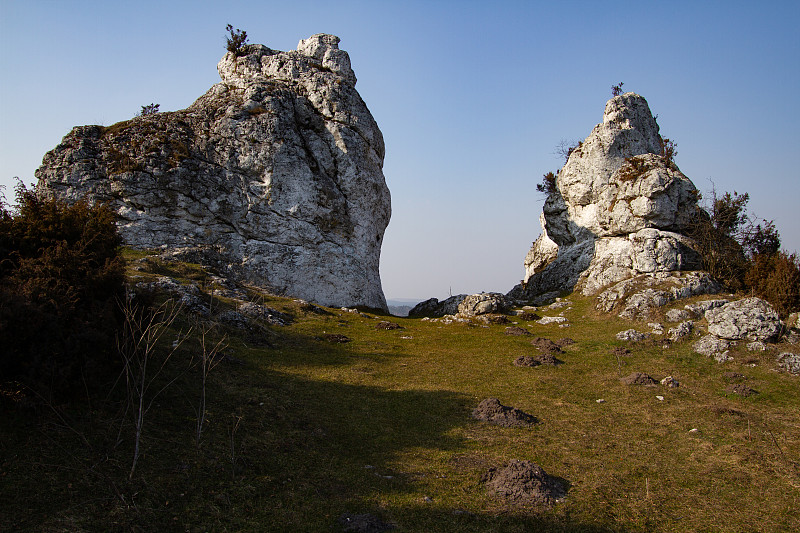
(733, 377)
(546, 345)
(335, 337)
(529, 315)
(525, 483)
(363, 523)
(659, 343)
(383, 324)
(619, 351)
(548, 359)
(495, 319)
(566, 341)
(741, 389)
(639, 378)
(722, 410)
(492, 411)
(526, 360)
(515, 330)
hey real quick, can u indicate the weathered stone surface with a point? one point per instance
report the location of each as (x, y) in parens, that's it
(278, 167)
(544, 321)
(635, 297)
(677, 315)
(750, 318)
(631, 335)
(619, 208)
(543, 252)
(790, 362)
(483, 303)
(699, 309)
(433, 308)
(681, 331)
(712, 346)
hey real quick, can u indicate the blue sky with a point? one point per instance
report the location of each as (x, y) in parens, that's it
(472, 99)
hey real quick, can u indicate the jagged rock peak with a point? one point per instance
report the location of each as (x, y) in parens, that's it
(318, 52)
(275, 175)
(619, 207)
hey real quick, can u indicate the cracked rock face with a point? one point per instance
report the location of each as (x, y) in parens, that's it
(277, 169)
(618, 209)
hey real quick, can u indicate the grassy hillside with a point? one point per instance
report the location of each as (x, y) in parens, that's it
(301, 430)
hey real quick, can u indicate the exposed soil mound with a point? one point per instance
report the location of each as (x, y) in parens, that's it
(383, 324)
(566, 341)
(525, 483)
(741, 389)
(492, 411)
(619, 351)
(546, 345)
(548, 359)
(529, 315)
(526, 360)
(363, 523)
(514, 330)
(494, 319)
(639, 378)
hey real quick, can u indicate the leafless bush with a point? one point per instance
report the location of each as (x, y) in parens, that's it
(210, 356)
(144, 358)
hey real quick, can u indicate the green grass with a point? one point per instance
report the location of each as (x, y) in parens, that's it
(304, 430)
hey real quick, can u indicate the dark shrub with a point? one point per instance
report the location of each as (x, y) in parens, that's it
(548, 184)
(776, 278)
(236, 43)
(60, 280)
(150, 109)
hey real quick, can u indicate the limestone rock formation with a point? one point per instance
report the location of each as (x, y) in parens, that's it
(276, 170)
(750, 318)
(620, 207)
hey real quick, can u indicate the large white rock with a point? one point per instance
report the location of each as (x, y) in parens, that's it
(750, 318)
(278, 169)
(619, 209)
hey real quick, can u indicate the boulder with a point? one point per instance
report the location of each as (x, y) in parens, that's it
(277, 170)
(681, 331)
(483, 303)
(750, 318)
(631, 335)
(636, 297)
(789, 362)
(699, 308)
(433, 308)
(677, 315)
(712, 346)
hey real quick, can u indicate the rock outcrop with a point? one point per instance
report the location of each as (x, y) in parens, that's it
(618, 208)
(747, 319)
(276, 171)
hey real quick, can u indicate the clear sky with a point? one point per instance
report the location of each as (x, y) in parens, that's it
(472, 99)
